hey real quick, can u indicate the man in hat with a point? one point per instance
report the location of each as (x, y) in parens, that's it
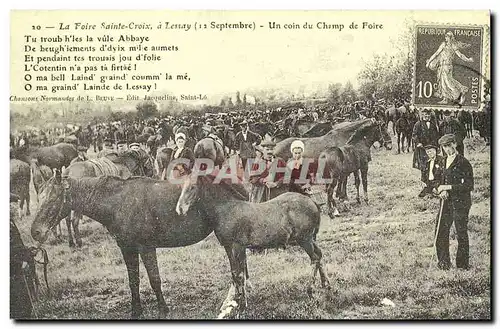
(424, 133)
(457, 182)
(245, 141)
(433, 170)
(107, 148)
(82, 155)
(121, 146)
(451, 125)
(134, 146)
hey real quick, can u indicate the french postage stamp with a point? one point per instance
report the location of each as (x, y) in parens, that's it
(448, 67)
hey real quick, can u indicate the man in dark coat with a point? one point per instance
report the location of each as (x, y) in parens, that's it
(450, 125)
(455, 191)
(424, 133)
(245, 141)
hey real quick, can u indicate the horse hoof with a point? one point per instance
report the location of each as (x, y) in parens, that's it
(310, 292)
(163, 311)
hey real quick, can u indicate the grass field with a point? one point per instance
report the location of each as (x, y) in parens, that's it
(375, 251)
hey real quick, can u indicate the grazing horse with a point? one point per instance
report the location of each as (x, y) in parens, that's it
(239, 224)
(138, 212)
(20, 177)
(129, 163)
(353, 158)
(209, 148)
(338, 136)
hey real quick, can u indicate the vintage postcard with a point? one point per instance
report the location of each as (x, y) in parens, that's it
(272, 165)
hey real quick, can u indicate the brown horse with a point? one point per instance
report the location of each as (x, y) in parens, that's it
(338, 136)
(55, 156)
(163, 156)
(209, 148)
(127, 164)
(353, 158)
(239, 224)
(138, 212)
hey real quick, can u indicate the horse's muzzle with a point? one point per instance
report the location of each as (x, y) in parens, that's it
(39, 234)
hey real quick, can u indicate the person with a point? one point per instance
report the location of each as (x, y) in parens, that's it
(134, 146)
(297, 148)
(432, 172)
(450, 125)
(263, 184)
(245, 141)
(181, 152)
(82, 155)
(457, 182)
(121, 146)
(107, 148)
(448, 88)
(424, 133)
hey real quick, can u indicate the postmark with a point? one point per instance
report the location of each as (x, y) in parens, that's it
(449, 67)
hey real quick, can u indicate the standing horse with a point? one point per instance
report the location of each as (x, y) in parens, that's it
(55, 156)
(127, 164)
(404, 131)
(338, 136)
(163, 156)
(239, 224)
(353, 158)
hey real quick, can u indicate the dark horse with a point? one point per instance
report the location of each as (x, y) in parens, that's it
(239, 224)
(130, 163)
(163, 156)
(353, 158)
(403, 132)
(209, 148)
(55, 156)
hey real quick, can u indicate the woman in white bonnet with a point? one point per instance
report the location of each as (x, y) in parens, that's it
(180, 151)
(297, 149)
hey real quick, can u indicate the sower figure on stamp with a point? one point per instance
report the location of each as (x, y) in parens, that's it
(455, 193)
(424, 133)
(451, 125)
(433, 170)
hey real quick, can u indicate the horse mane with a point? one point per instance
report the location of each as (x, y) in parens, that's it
(359, 134)
(226, 189)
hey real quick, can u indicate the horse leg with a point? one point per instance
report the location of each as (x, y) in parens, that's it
(344, 187)
(76, 222)
(399, 141)
(356, 183)
(325, 283)
(237, 261)
(150, 261)
(332, 206)
(364, 179)
(308, 246)
(28, 201)
(131, 258)
(70, 235)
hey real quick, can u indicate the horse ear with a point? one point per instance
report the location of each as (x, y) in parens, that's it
(57, 175)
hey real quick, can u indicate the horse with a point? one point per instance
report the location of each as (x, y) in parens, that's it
(163, 156)
(209, 148)
(40, 175)
(338, 136)
(318, 129)
(55, 156)
(353, 157)
(392, 114)
(127, 164)
(138, 212)
(239, 224)
(404, 131)
(20, 177)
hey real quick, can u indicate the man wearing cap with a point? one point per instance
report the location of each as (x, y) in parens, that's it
(82, 155)
(450, 125)
(265, 183)
(431, 174)
(134, 146)
(457, 182)
(121, 146)
(245, 141)
(424, 133)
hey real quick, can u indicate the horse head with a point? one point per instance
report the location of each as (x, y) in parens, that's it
(143, 164)
(188, 195)
(54, 205)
